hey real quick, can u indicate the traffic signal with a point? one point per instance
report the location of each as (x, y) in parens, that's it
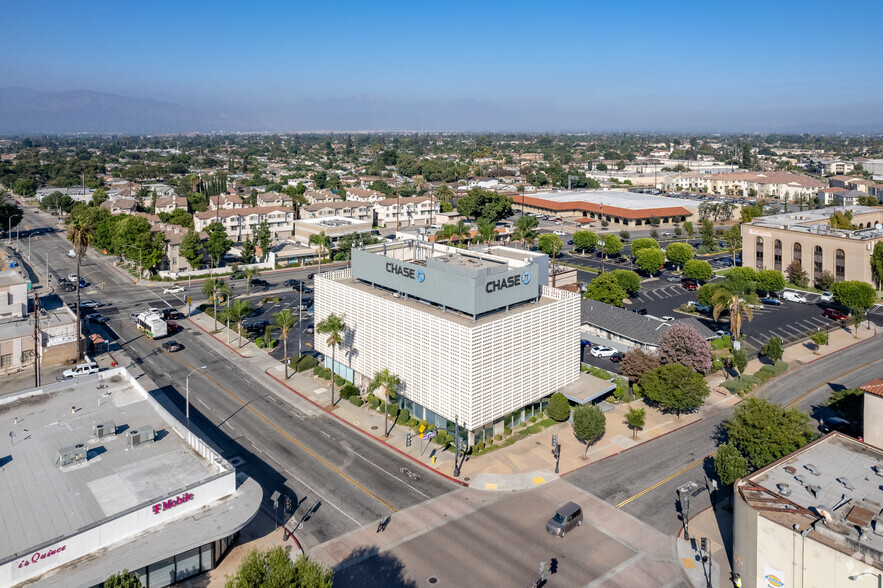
(544, 571)
(408, 440)
(704, 544)
(554, 441)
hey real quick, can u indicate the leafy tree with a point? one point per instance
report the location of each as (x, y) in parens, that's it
(848, 403)
(773, 348)
(650, 260)
(636, 362)
(80, 234)
(628, 280)
(124, 579)
(876, 265)
(764, 432)
(744, 273)
(636, 417)
(679, 253)
(682, 344)
(698, 269)
(262, 239)
(284, 319)
(740, 360)
(333, 326)
(854, 295)
(688, 228)
(736, 296)
(323, 242)
(706, 231)
(24, 187)
(57, 201)
(605, 288)
(558, 408)
(797, 275)
(825, 280)
(10, 213)
(191, 249)
(346, 243)
(729, 464)
(589, 424)
(819, 338)
(487, 204)
(585, 240)
(770, 280)
(705, 294)
(250, 274)
(644, 243)
(550, 244)
(213, 289)
(273, 568)
(179, 217)
(612, 245)
(99, 196)
(675, 388)
(217, 245)
(247, 250)
(487, 231)
(624, 235)
(390, 384)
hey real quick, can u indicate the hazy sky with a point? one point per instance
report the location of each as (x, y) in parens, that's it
(721, 63)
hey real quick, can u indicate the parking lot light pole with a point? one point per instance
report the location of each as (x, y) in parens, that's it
(187, 395)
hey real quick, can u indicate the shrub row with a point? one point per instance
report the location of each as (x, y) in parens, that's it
(748, 382)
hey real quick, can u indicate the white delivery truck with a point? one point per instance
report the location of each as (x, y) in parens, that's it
(152, 325)
(794, 297)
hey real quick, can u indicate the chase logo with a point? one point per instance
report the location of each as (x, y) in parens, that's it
(525, 278)
(420, 276)
(774, 581)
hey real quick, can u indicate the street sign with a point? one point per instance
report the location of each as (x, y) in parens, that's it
(421, 429)
(429, 435)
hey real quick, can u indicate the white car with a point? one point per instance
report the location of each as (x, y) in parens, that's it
(73, 277)
(560, 233)
(826, 297)
(173, 289)
(667, 318)
(90, 304)
(723, 333)
(602, 351)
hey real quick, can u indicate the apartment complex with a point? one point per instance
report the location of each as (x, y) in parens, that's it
(779, 184)
(242, 222)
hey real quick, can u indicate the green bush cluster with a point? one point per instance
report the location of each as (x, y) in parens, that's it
(307, 362)
(747, 383)
(348, 391)
(322, 372)
(404, 416)
(725, 342)
(373, 402)
(356, 400)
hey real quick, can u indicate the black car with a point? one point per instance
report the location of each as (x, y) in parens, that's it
(311, 276)
(639, 311)
(617, 357)
(170, 314)
(838, 424)
(311, 328)
(291, 283)
(257, 326)
(259, 282)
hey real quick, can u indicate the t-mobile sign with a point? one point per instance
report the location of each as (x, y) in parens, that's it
(172, 503)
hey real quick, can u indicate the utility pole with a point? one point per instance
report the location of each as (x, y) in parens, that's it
(36, 340)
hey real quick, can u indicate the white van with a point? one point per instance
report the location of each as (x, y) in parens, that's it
(794, 297)
(82, 369)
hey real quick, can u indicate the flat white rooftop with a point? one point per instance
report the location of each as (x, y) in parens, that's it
(43, 501)
(617, 198)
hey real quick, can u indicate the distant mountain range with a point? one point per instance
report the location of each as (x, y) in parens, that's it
(25, 111)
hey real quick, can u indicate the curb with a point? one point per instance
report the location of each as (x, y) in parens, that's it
(379, 440)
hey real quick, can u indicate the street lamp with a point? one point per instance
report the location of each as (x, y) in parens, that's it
(140, 261)
(187, 394)
(879, 577)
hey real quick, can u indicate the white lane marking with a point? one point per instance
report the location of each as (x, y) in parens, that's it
(390, 474)
(203, 403)
(307, 486)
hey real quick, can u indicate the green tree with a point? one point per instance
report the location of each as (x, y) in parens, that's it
(688, 229)
(550, 244)
(250, 274)
(558, 408)
(797, 275)
(217, 245)
(740, 360)
(819, 338)
(284, 319)
(773, 348)
(487, 204)
(644, 243)
(99, 196)
(335, 327)
(124, 579)
(650, 260)
(589, 424)
(213, 289)
(10, 213)
(628, 280)
(679, 253)
(612, 245)
(322, 243)
(390, 384)
(675, 387)
(635, 418)
(849, 404)
(770, 280)
(877, 265)
(56, 201)
(825, 280)
(764, 432)
(238, 312)
(262, 239)
(487, 231)
(698, 269)
(733, 241)
(179, 217)
(729, 464)
(585, 241)
(24, 187)
(736, 296)
(854, 295)
(80, 234)
(706, 231)
(605, 288)
(247, 250)
(274, 568)
(191, 249)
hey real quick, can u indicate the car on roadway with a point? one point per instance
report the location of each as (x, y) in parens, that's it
(290, 283)
(835, 315)
(311, 276)
(566, 518)
(620, 260)
(90, 304)
(84, 283)
(96, 317)
(570, 241)
(602, 351)
(172, 346)
(723, 333)
(170, 314)
(826, 296)
(73, 277)
(173, 289)
(771, 301)
(617, 357)
(311, 328)
(260, 282)
(173, 327)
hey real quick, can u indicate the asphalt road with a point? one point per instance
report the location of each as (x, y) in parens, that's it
(645, 479)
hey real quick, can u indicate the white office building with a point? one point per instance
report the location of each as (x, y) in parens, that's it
(476, 337)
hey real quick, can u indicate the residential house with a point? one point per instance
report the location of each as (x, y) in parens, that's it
(172, 260)
(171, 203)
(225, 202)
(273, 199)
(829, 195)
(774, 184)
(413, 210)
(364, 195)
(242, 222)
(316, 196)
(361, 211)
(120, 206)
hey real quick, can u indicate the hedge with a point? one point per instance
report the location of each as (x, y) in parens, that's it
(307, 362)
(356, 400)
(404, 416)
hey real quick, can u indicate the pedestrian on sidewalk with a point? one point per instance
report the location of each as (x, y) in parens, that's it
(381, 527)
(737, 580)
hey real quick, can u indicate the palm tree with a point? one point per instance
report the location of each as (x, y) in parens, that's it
(390, 384)
(445, 193)
(334, 327)
(419, 182)
(213, 289)
(238, 312)
(487, 231)
(323, 242)
(461, 231)
(250, 274)
(285, 321)
(80, 234)
(737, 296)
(525, 229)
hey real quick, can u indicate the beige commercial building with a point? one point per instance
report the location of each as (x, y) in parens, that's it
(773, 242)
(334, 227)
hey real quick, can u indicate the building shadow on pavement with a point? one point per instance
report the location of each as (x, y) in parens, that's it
(367, 567)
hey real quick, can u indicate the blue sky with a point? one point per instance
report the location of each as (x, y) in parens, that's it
(635, 62)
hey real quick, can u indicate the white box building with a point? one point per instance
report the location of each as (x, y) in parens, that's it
(475, 337)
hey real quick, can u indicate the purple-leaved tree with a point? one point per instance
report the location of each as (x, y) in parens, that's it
(682, 344)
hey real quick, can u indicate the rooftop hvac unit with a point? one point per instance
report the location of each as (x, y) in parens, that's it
(71, 455)
(104, 429)
(135, 437)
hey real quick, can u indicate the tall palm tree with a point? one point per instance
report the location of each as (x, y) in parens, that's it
(334, 327)
(80, 233)
(445, 193)
(238, 312)
(250, 274)
(212, 289)
(737, 296)
(487, 231)
(390, 384)
(461, 231)
(322, 240)
(525, 229)
(285, 321)
(419, 182)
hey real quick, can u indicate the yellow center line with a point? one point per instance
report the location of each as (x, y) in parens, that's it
(254, 411)
(699, 461)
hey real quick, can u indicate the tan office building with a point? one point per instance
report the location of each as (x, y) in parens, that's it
(773, 242)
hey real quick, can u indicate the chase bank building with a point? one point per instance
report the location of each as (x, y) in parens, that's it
(474, 336)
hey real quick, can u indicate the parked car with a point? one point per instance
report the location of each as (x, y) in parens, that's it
(699, 307)
(257, 326)
(96, 317)
(602, 351)
(771, 301)
(173, 289)
(723, 333)
(826, 297)
(559, 232)
(673, 279)
(90, 304)
(691, 286)
(640, 310)
(667, 318)
(306, 303)
(617, 357)
(570, 241)
(837, 424)
(794, 297)
(84, 283)
(620, 260)
(73, 277)
(311, 328)
(172, 346)
(69, 287)
(835, 315)
(82, 369)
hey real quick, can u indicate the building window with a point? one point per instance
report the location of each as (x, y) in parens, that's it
(817, 262)
(777, 255)
(839, 265)
(798, 253)
(758, 256)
